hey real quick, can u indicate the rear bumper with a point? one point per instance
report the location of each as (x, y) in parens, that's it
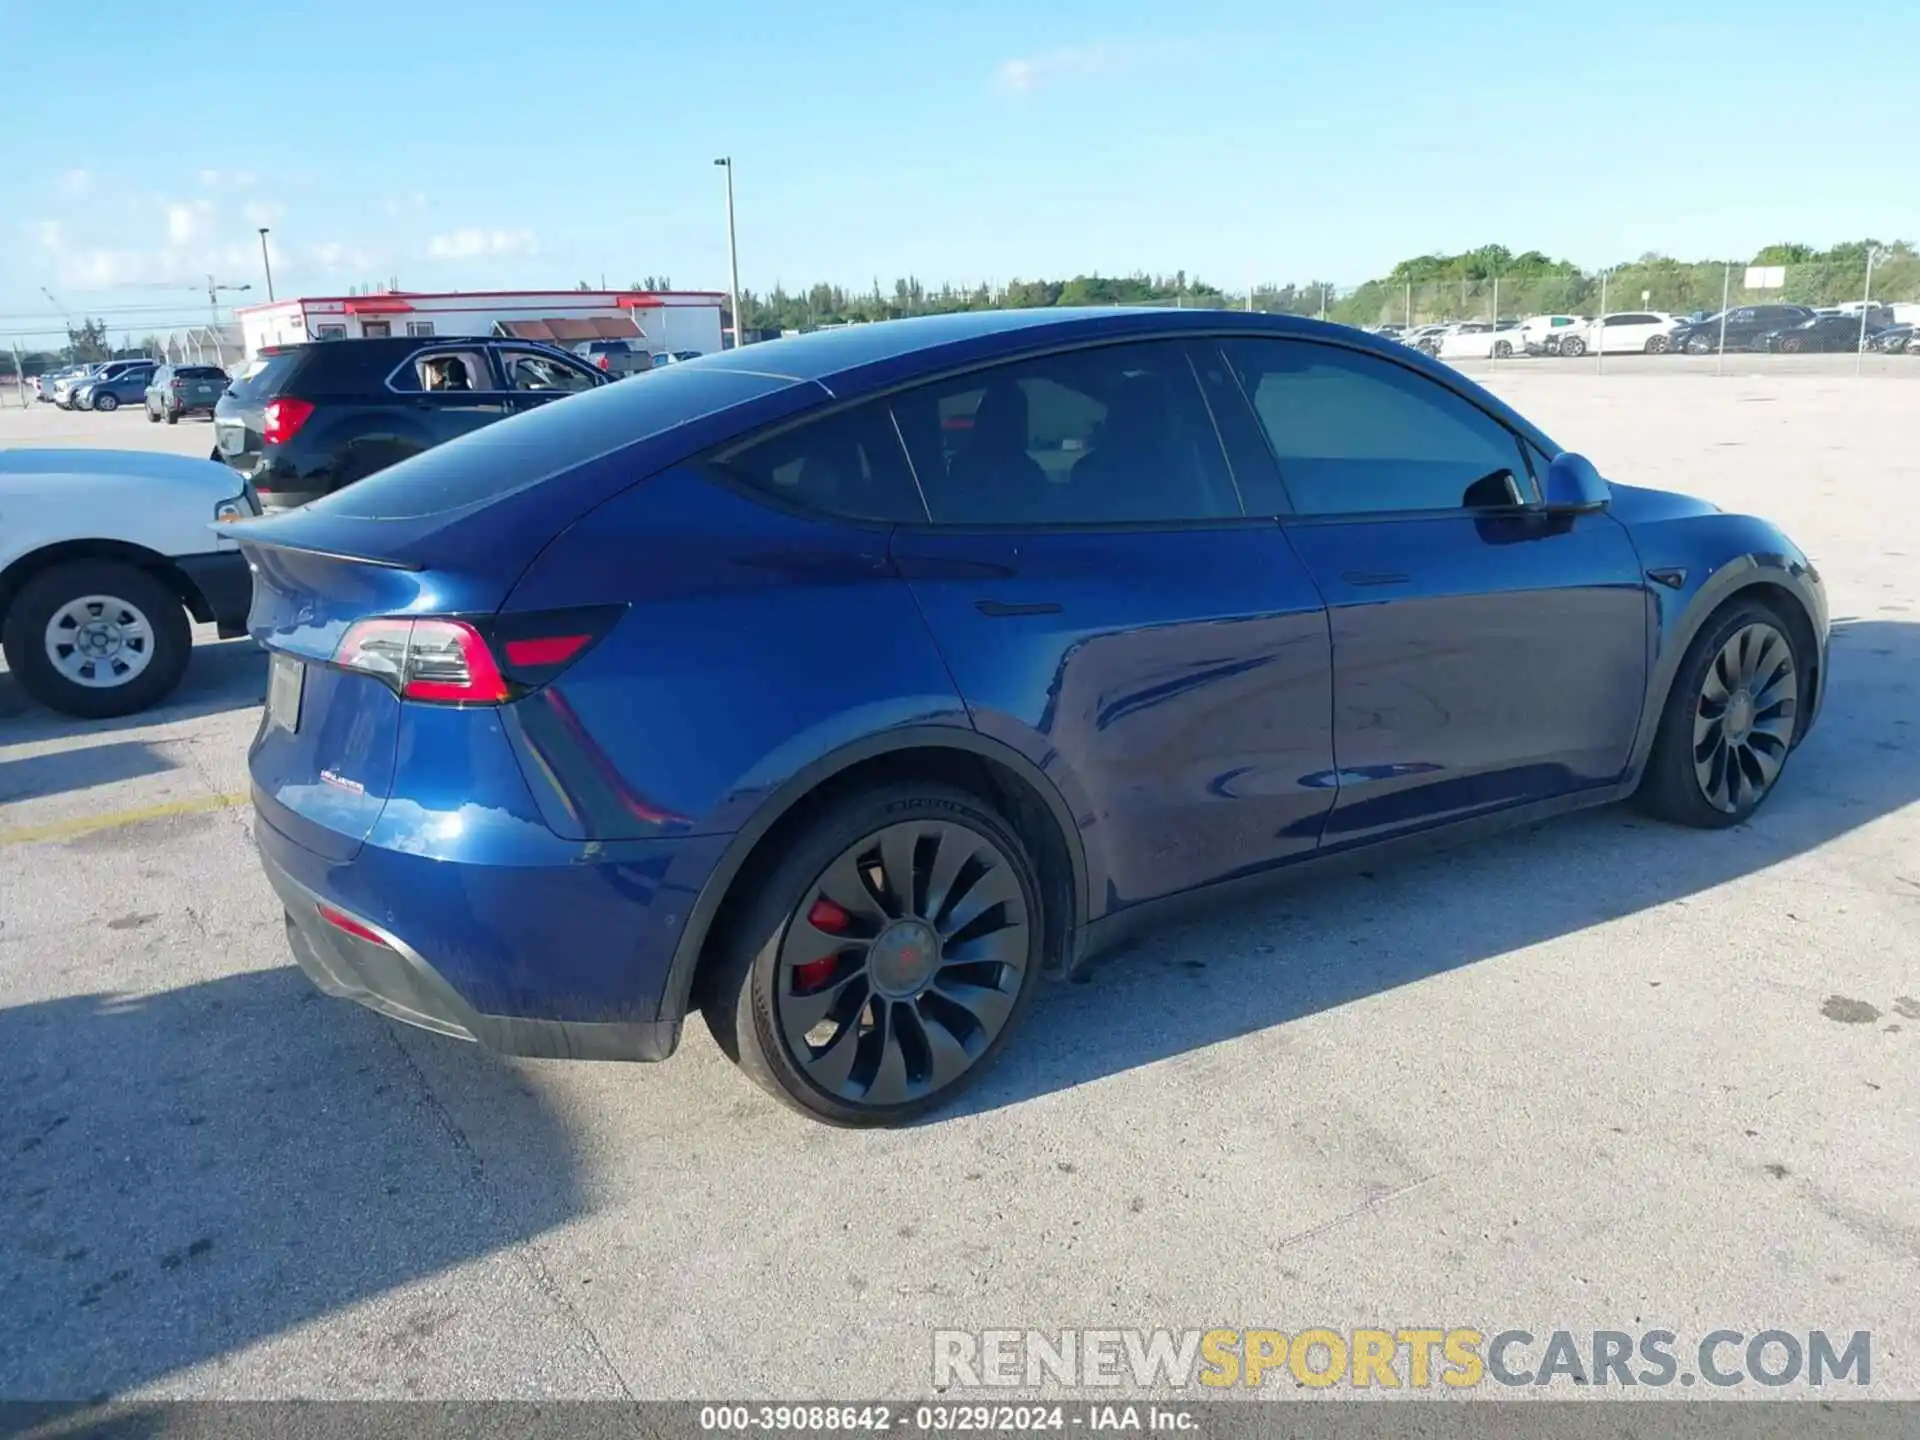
(395, 980)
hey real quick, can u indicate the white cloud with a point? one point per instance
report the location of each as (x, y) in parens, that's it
(1026, 74)
(470, 244)
(336, 257)
(243, 179)
(210, 179)
(401, 204)
(261, 212)
(189, 221)
(76, 183)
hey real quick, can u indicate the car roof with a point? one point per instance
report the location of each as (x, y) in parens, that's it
(857, 359)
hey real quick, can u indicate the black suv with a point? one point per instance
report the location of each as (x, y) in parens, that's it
(1745, 327)
(300, 421)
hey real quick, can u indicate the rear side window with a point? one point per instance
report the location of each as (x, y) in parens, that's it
(264, 375)
(548, 440)
(1111, 435)
(1357, 434)
(848, 464)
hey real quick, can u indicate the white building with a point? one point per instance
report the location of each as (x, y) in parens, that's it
(669, 320)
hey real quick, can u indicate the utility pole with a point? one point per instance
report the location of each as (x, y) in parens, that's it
(725, 162)
(265, 262)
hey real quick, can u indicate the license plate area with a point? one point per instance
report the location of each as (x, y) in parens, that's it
(286, 679)
(231, 438)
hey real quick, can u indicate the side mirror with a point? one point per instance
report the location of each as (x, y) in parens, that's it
(1573, 486)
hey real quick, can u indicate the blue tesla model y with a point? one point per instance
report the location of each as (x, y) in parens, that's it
(840, 687)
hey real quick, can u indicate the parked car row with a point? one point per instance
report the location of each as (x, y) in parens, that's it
(1774, 328)
(167, 391)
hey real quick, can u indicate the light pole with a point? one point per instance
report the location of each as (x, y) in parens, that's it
(265, 262)
(1866, 305)
(725, 162)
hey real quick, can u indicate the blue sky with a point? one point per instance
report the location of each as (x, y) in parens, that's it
(485, 145)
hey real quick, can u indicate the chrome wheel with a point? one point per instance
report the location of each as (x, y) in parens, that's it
(1743, 723)
(903, 964)
(99, 641)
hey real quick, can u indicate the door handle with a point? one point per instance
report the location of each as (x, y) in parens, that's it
(999, 608)
(1375, 577)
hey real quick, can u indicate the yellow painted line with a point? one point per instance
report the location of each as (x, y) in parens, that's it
(60, 830)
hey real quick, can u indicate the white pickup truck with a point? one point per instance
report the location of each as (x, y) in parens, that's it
(103, 556)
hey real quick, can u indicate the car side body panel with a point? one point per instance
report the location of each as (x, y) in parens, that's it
(755, 642)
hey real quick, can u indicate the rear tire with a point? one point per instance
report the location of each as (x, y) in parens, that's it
(173, 415)
(142, 633)
(1729, 723)
(152, 419)
(1502, 350)
(914, 877)
(1659, 345)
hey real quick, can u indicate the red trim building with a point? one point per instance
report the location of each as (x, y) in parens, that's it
(678, 320)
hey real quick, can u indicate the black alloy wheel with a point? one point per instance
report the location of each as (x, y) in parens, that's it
(1730, 721)
(1743, 720)
(906, 943)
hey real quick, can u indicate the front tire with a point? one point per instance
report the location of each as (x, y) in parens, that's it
(1699, 345)
(97, 638)
(1572, 346)
(1729, 722)
(106, 403)
(883, 962)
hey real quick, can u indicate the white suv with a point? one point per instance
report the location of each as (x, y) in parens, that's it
(1627, 332)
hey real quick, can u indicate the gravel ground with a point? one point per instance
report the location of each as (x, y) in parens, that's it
(1597, 1075)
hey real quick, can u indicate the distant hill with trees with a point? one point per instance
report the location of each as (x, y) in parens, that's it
(1475, 283)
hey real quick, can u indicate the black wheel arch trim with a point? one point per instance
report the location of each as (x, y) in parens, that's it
(675, 997)
(1727, 580)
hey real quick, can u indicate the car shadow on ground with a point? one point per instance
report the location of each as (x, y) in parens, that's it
(222, 675)
(187, 1173)
(1307, 947)
(31, 777)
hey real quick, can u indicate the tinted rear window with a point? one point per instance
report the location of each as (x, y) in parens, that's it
(264, 374)
(512, 454)
(199, 372)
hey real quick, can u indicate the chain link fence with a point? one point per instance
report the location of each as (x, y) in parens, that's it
(1655, 306)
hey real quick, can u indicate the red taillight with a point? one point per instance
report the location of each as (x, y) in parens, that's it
(456, 662)
(603, 362)
(176, 384)
(441, 660)
(344, 922)
(542, 650)
(283, 419)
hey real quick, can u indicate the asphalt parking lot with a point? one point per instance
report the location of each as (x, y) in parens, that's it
(1601, 1074)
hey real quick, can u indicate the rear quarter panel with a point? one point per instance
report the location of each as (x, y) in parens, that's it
(756, 643)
